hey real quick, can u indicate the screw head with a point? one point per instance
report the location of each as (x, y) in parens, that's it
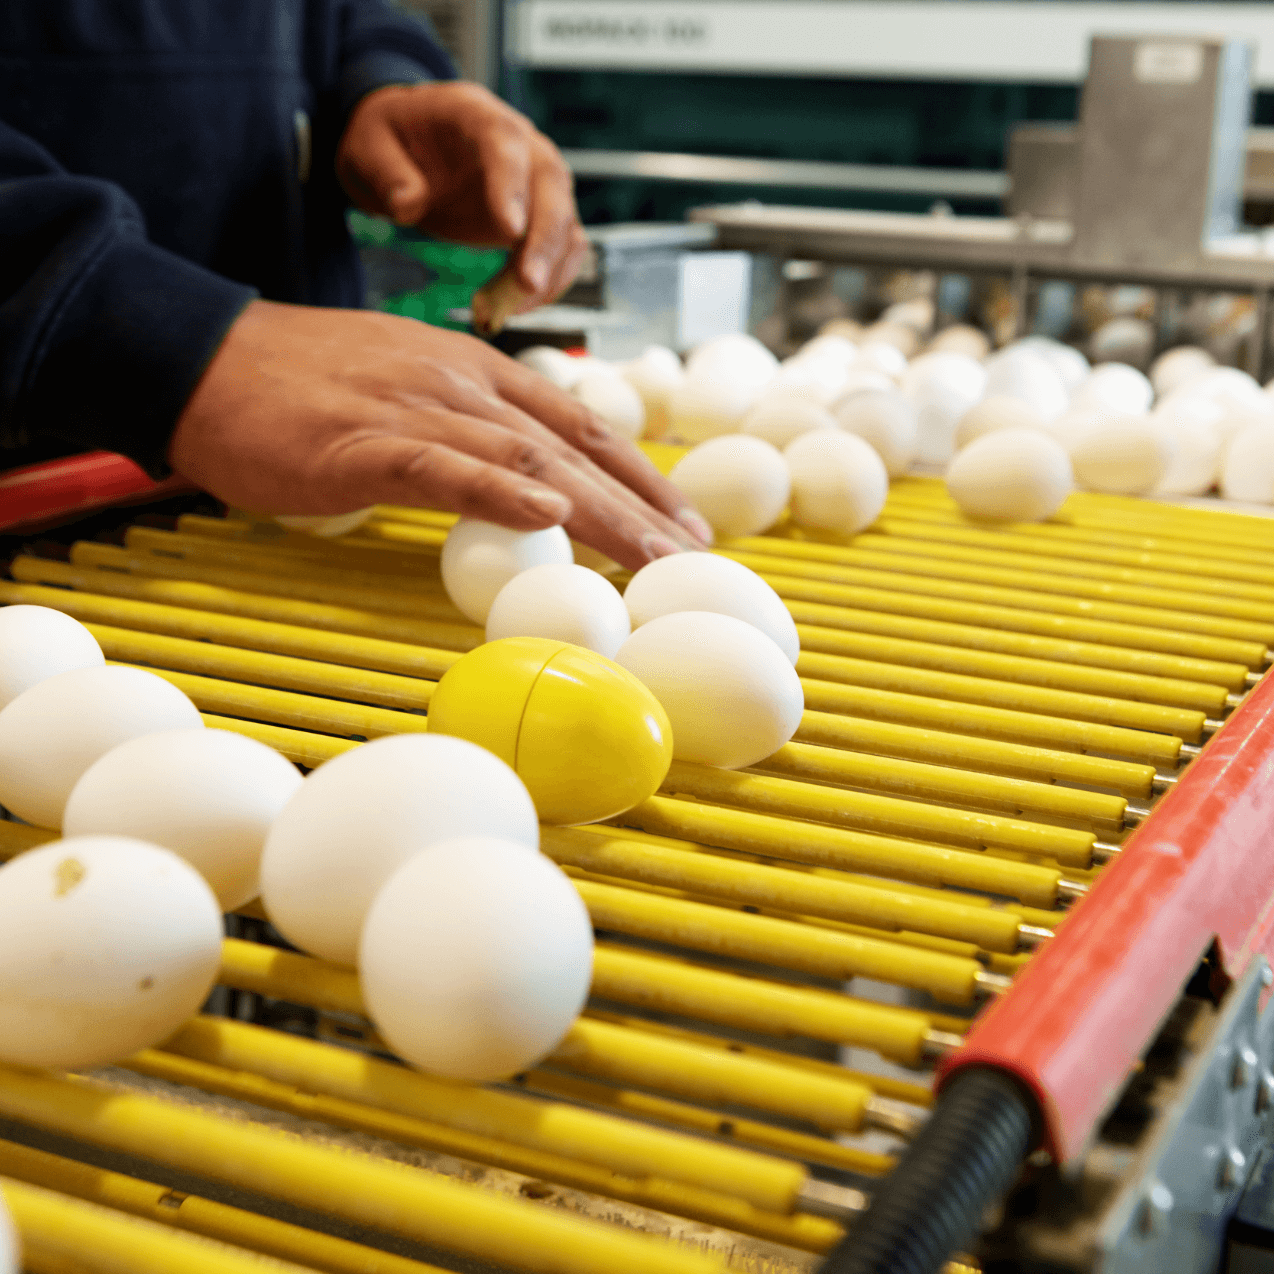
(1244, 1067)
(1156, 1207)
(1230, 1172)
(1267, 975)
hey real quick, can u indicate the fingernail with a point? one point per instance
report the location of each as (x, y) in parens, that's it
(655, 545)
(547, 504)
(516, 214)
(537, 273)
(695, 525)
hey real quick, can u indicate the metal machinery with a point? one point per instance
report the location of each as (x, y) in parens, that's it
(939, 880)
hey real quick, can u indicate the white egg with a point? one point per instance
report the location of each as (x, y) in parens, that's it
(1232, 389)
(1176, 366)
(52, 733)
(1126, 455)
(863, 380)
(739, 484)
(107, 945)
(37, 642)
(704, 407)
(1021, 475)
(613, 399)
(918, 314)
(359, 816)
(207, 795)
(961, 339)
(480, 558)
(998, 411)
(738, 357)
(563, 602)
(1027, 375)
(654, 375)
(886, 420)
(1065, 360)
(1114, 387)
(1070, 428)
(709, 582)
(1249, 466)
(476, 958)
(817, 377)
(779, 418)
(731, 694)
(1195, 461)
(839, 483)
(325, 527)
(553, 364)
(1124, 339)
(883, 356)
(830, 345)
(942, 387)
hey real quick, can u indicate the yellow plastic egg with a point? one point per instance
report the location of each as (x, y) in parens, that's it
(584, 735)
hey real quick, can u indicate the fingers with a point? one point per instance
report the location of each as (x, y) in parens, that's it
(607, 515)
(375, 467)
(378, 171)
(622, 459)
(541, 259)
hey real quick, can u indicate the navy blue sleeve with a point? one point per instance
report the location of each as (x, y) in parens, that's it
(380, 46)
(103, 335)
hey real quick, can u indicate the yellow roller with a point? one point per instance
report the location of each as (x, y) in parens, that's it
(1136, 583)
(667, 985)
(300, 746)
(931, 710)
(327, 717)
(878, 905)
(676, 1197)
(639, 1105)
(189, 1212)
(268, 637)
(993, 793)
(17, 838)
(180, 654)
(60, 1234)
(248, 605)
(986, 756)
(886, 815)
(822, 628)
(739, 936)
(869, 608)
(631, 1149)
(806, 581)
(359, 594)
(818, 670)
(820, 845)
(1194, 570)
(382, 1194)
(820, 648)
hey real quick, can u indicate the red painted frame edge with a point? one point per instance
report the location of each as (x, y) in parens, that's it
(39, 493)
(1200, 867)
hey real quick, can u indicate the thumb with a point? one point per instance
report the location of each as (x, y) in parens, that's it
(384, 166)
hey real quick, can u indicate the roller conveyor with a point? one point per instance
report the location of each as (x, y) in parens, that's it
(993, 842)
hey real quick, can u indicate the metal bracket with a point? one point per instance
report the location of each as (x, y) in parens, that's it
(1171, 1211)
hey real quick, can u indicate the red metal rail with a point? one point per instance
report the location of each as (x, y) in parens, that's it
(1200, 868)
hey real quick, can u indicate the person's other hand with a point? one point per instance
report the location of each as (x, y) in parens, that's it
(317, 411)
(455, 161)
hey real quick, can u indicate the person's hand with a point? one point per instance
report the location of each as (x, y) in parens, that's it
(316, 411)
(455, 161)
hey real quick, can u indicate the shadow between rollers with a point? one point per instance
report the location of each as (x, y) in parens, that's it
(963, 1160)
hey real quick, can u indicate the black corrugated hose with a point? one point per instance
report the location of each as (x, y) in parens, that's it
(964, 1158)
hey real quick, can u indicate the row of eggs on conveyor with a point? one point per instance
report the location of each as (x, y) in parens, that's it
(411, 857)
(770, 435)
